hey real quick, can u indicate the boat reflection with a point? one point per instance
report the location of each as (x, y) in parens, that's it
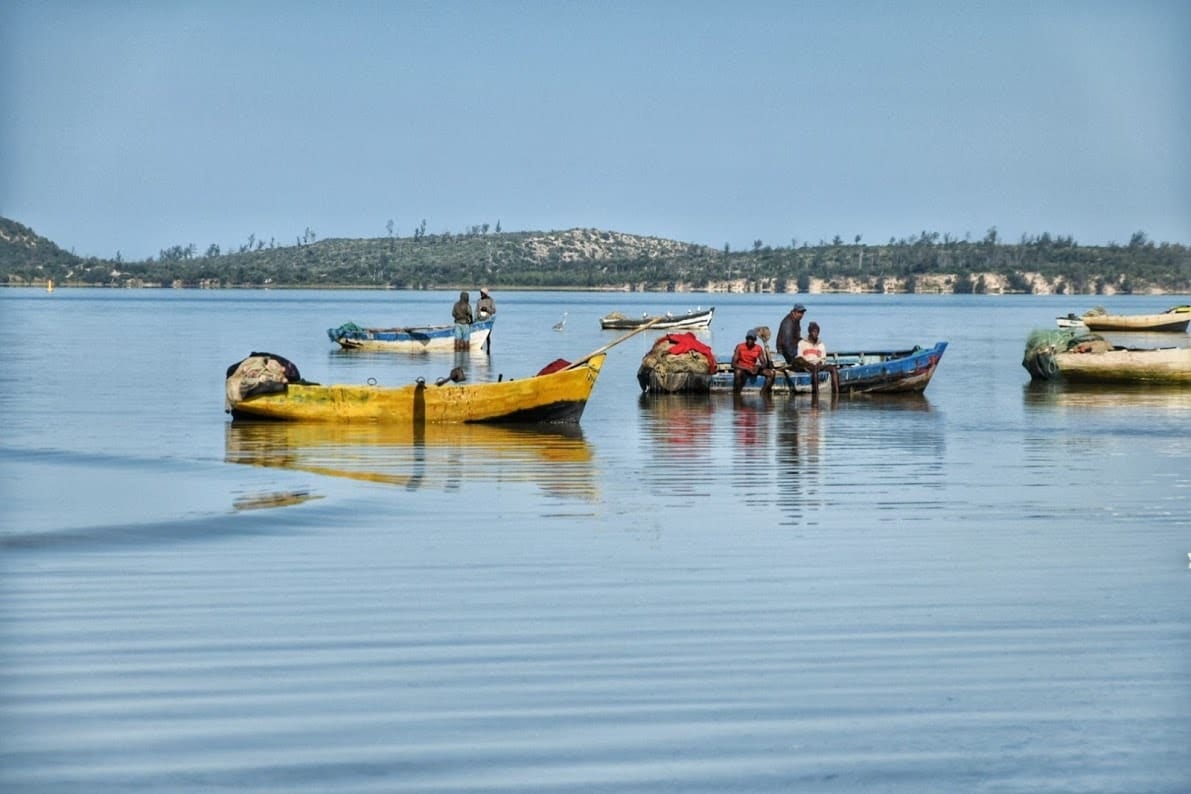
(439, 456)
(790, 453)
(1091, 396)
(680, 425)
(261, 501)
(825, 454)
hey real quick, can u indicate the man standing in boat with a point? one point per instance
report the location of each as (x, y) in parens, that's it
(461, 312)
(485, 306)
(749, 359)
(790, 332)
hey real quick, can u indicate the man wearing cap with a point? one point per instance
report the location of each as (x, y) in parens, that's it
(485, 306)
(749, 359)
(789, 332)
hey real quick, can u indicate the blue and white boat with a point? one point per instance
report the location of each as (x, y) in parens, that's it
(862, 372)
(410, 339)
(866, 372)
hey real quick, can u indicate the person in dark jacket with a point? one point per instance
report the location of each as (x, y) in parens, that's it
(461, 312)
(790, 332)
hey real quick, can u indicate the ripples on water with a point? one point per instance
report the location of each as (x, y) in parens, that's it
(982, 588)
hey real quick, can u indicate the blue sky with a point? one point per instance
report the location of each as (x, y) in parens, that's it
(136, 126)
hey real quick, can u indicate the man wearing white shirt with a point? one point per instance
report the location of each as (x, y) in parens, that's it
(812, 357)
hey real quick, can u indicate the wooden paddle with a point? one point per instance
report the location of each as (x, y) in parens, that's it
(614, 343)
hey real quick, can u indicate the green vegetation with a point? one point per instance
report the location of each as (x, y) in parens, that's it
(593, 259)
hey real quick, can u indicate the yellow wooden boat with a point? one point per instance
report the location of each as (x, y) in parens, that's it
(1086, 357)
(1174, 319)
(1123, 365)
(260, 387)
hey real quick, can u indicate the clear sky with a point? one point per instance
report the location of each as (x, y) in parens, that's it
(134, 126)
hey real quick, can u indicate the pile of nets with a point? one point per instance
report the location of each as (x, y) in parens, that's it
(677, 363)
(260, 373)
(347, 331)
(1043, 344)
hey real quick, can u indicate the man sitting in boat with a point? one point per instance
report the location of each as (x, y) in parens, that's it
(812, 358)
(485, 306)
(461, 312)
(749, 359)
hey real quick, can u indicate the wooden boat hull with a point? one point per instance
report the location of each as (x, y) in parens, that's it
(889, 372)
(1088, 357)
(557, 397)
(700, 318)
(1172, 320)
(417, 339)
(1122, 365)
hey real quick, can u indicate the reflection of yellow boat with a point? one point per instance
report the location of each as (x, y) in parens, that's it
(260, 501)
(1121, 397)
(554, 456)
(259, 387)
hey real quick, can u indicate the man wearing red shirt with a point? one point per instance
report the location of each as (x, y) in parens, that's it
(749, 359)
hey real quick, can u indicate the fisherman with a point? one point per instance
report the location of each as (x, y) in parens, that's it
(789, 332)
(812, 358)
(485, 306)
(461, 312)
(749, 359)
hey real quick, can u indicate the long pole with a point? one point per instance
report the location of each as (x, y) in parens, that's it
(615, 342)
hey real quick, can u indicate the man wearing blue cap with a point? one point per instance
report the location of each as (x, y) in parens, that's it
(789, 332)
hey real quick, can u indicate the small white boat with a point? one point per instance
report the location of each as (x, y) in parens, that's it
(413, 339)
(694, 319)
(1070, 320)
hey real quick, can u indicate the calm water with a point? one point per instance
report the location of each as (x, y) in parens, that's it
(984, 589)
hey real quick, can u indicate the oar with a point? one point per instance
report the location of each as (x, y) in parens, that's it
(614, 342)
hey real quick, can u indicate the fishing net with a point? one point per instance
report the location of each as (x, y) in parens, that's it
(1043, 344)
(677, 363)
(260, 373)
(346, 331)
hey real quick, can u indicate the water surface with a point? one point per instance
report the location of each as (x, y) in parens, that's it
(983, 588)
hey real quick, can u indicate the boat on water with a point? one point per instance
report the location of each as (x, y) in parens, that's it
(679, 364)
(1068, 355)
(410, 339)
(1174, 319)
(694, 319)
(1070, 320)
(860, 372)
(268, 386)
